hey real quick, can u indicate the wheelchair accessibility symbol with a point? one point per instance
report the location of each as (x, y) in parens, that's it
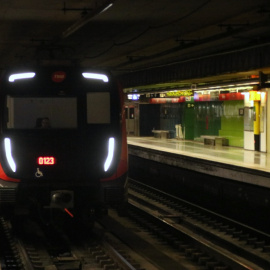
(38, 173)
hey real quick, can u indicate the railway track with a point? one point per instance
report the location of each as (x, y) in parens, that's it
(208, 239)
(159, 232)
(54, 249)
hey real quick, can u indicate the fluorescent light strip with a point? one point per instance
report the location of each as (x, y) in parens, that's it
(19, 76)
(109, 158)
(95, 76)
(9, 157)
(106, 8)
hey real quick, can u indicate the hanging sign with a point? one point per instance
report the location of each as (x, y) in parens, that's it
(180, 93)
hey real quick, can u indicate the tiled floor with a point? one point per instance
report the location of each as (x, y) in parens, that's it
(224, 154)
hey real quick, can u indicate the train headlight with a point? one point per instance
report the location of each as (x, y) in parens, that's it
(109, 158)
(19, 76)
(95, 76)
(9, 157)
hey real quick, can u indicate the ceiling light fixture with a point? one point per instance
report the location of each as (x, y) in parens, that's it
(84, 20)
(106, 8)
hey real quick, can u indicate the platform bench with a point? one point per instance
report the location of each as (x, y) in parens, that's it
(215, 140)
(162, 134)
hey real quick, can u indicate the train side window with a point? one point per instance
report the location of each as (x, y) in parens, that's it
(98, 108)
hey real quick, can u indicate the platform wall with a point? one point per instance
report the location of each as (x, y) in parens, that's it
(218, 118)
(232, 122)
(219, 194)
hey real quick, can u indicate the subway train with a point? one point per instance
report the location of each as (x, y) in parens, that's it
(63, 141)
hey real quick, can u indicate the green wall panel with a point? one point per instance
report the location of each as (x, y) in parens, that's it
(232, 124)
(217, 118)
(189, 121)
(207, 118)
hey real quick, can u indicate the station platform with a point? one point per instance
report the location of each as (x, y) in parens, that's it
(233, 163)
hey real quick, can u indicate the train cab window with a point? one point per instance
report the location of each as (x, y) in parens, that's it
(24, 112)
(98, 108)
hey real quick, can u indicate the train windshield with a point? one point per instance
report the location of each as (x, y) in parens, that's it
(41, 112)
(56, 112)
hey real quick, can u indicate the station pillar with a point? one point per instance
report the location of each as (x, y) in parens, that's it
(257, 126)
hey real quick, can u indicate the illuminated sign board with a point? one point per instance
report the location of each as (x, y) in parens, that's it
(179, 93)
(58, 76)
(133, 96)
(254, 95)
(46, 160)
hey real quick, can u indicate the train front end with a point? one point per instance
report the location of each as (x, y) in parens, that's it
(63, 143)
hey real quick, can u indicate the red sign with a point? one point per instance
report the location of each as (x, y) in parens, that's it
(167, 100)
(46, 160)
(58, 76)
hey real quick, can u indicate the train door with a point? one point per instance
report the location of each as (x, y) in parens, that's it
(130, 119)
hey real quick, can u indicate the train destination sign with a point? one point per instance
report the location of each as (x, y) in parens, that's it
(46, 161)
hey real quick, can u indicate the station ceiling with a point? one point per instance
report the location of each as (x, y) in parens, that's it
(127, 36)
